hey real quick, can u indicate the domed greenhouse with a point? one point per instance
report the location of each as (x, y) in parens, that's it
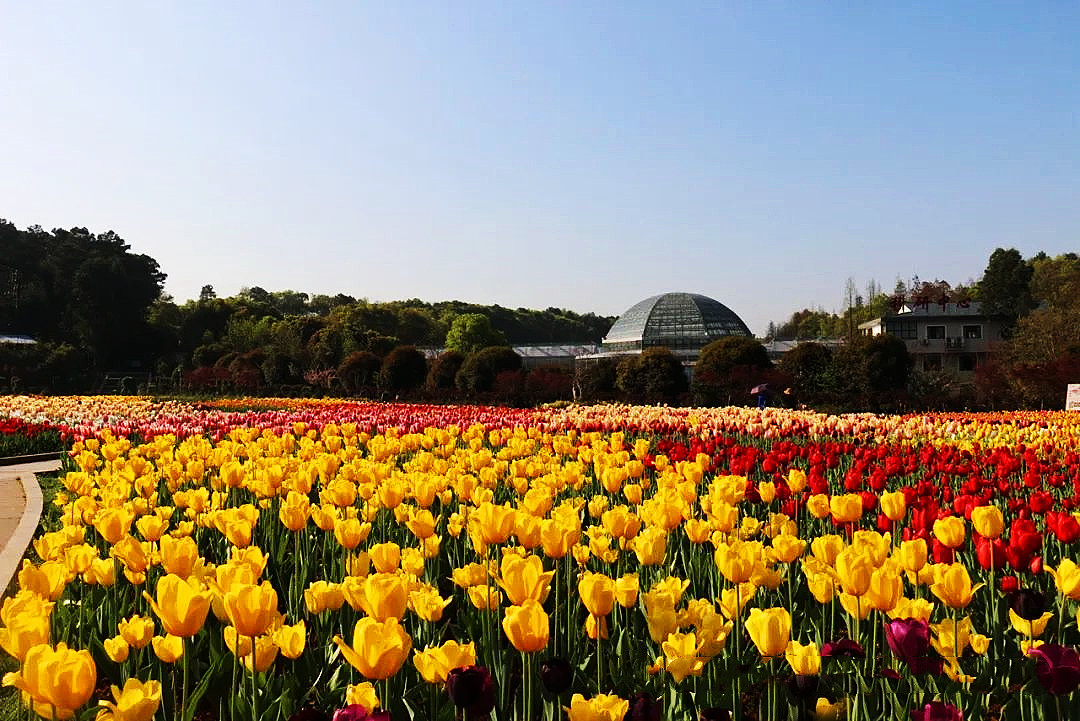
(682, 322)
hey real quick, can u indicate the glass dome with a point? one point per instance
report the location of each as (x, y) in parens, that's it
(679, 321)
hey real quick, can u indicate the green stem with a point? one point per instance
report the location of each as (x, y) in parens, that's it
(254, 686)
(184, 690)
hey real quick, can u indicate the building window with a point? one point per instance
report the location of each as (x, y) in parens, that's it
(932, 362)
(966, 362)
(902, 328)
(973, 332)
(935, 332)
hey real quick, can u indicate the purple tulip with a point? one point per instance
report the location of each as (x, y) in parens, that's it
(909, 639)
(843, 648)
(471, 688)
(643, 707)
(937, 711)
(1058, 667)
(356, 712)
(556, 674)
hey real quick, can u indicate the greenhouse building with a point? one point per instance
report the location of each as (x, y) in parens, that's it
(682, 322)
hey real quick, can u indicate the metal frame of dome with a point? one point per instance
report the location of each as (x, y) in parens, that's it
(679, 321)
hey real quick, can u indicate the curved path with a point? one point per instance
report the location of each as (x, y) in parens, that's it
(20, 510)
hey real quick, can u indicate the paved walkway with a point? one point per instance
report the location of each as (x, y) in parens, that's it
(20, 510)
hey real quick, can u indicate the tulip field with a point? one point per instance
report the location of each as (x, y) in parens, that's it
(288, 559)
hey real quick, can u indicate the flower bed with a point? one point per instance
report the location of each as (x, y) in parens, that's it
(22, 438)
(616, 562)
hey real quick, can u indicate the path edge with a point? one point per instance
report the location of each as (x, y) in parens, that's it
(16, 546)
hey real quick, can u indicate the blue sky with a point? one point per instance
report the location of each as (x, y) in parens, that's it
(582, 155)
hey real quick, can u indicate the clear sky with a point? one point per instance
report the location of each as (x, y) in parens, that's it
(582, 155)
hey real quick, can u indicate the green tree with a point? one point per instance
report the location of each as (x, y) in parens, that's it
(403, 369)
(727, 368)
(594, 379)
(1056, 281)
(444, 370)
(358, 371)
(654, 376)
(472, 332)
(1005, 287)
(809, 365)
(478, 372)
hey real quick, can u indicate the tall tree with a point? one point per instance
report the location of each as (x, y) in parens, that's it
(1005, 288)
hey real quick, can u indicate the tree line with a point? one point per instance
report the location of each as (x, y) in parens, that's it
(98, 313)
(103, 323)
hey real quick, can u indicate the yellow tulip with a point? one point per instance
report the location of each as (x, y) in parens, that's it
(825, 711)
(181, 605)
(558, 536)
(351, 532)
(796, 480)
(787, 548)
(523, 578)
(435, 662)
(168, 648)
(137, 630)
(102, 572)
(854, 569)
(137, 701)
(483, 598)
(79, 558)
(362, 694)
(295, 511)
(804, 660)
(681, 657)
(117, 649)
(58, 681)
(380, 595)
(1067, 578)
(291, 639)
(885, 588)
(821, 579)
(602, 707)
(386, 557)
(912, 555)
(738, 560)
(495, 522)
(770, 630)
(626, 590)
(26, 623)
(113, 523)
(179, 555)
(954, 588)
(951, 531)
(47, 580)
(597, 593)
(827, 548)
(322, 596)
(527, 626)
(426, 603)
(152, 527)
(846, 508)
(893, 505)
(1031, 629)
(988, 521)
(378, 649)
